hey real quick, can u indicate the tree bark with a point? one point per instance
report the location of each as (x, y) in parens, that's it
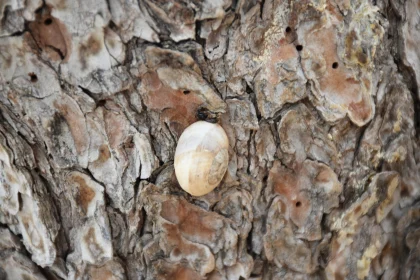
(320, 101)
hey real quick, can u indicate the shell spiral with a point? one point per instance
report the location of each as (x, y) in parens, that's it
(201, 157)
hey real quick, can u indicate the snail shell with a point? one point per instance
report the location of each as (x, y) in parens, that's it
(201, 157)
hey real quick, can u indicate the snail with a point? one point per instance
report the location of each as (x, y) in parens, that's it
(201, 157)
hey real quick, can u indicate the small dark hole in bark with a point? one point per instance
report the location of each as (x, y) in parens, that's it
(34, 78)
(20, 201)
(186, 92)
(101, 103)
(298, 204)
(335, 65)
(299, 48)
(48, 21)
(288, 29)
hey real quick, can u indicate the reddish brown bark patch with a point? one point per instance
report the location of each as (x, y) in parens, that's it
(190, 221)
(101, 273)
(104, 153)
(173, 271)
(286, 183)
(86, 194)
(51, 35)
(90, 48)
(178, 107)
(74, 119)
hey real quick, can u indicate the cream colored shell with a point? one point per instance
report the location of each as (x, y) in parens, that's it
(201, 157)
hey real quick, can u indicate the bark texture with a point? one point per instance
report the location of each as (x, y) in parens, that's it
(319, 99)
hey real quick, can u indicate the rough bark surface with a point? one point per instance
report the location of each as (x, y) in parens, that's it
(319, 99)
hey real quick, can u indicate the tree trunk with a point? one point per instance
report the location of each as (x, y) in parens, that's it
(319, 100)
